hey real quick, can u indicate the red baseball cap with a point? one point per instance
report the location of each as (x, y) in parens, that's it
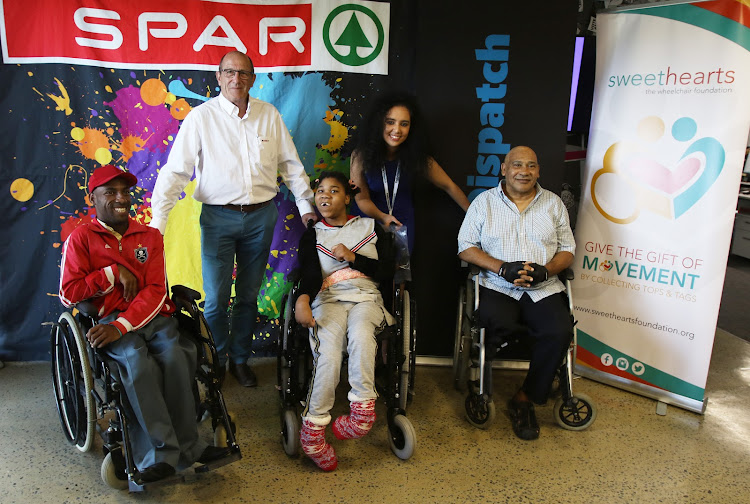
(105, 173)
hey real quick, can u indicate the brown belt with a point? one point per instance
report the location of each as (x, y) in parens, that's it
(251, 207)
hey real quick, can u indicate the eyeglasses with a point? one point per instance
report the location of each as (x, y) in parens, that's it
(229, 73)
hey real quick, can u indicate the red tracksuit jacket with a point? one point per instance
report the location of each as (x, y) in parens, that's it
(92, 256)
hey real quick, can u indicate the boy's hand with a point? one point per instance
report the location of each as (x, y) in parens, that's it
(342, 253)
(302, 312)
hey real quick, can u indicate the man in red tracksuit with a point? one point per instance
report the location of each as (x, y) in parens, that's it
(118, 265)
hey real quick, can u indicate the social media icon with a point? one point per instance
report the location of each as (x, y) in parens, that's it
(622, 364)
(638, 368)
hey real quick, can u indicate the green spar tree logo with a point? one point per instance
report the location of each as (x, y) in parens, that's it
(353, 36)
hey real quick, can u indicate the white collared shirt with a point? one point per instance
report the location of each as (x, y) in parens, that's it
(236, 160)
(494, 224)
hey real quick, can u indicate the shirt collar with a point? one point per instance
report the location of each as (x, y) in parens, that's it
(325, 224)
(111, 230)
(230, 108)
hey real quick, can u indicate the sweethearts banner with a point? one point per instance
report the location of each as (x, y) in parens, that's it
(667, 141)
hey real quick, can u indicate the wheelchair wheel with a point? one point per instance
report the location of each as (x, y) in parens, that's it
(113, 470)
(221, 438)
(459, 362)
(282, 365)
(480, 411)
(406, 348)
(72, 382)
(402, 437)
(577, 414)
(290, 424)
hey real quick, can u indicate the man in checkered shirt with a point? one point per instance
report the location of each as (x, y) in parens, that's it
(519, 234)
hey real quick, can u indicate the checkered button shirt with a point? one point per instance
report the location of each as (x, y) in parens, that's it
(494, 224)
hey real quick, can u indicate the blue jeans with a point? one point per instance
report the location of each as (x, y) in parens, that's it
(225, 234)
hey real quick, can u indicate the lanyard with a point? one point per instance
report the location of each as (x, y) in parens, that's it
(388, 200)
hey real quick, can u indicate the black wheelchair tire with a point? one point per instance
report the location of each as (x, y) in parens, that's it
(405, 347)
(480, 411)
(578, 414)
(459, 373)
(73, 382)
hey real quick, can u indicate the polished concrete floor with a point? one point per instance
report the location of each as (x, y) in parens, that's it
(629, 455)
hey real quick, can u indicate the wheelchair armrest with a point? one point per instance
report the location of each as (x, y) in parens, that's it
(88, 309)
(473, 269)
(184, 297)
(566, 274)
(185, 292)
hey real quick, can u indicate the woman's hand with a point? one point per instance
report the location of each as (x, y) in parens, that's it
(387, 220)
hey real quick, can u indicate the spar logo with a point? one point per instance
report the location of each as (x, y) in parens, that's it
(358, 48)
(665, 171)
(280, 36)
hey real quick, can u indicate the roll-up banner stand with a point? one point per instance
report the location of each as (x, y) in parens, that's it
(667, 142)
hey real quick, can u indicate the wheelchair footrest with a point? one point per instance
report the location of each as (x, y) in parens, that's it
(233, 456)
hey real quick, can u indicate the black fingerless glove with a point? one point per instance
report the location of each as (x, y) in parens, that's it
(539, 274)
(509, 270)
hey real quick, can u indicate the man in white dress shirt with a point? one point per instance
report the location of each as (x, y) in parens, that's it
(236, 146)
(519, 234)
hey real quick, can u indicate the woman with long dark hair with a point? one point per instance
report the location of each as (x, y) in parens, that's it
(391, 153)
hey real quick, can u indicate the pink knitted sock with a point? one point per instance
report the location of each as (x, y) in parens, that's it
(357, 423)
(313, 440)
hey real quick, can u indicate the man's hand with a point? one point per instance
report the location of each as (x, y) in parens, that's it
(302, 312)
(102, 335)
(342, 253)
(129, 283)
(511, 271)
(310, 216)
(536, 272)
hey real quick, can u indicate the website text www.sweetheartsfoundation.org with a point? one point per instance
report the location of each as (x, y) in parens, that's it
(635, 321)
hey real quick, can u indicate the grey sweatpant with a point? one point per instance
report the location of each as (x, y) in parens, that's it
(348, 317)
(157, 366)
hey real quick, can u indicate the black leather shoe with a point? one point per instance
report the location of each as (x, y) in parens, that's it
(212, 453)
(157, 472)
(243, 374)
(523, 417)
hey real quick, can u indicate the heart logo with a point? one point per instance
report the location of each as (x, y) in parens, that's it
(650, 185)
(605, 266)
(661, 178)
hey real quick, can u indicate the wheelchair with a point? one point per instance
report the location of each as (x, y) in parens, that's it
(394, 371)
(90, 398)
(472, 368)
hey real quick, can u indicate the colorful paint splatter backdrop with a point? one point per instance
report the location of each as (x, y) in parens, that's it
(62, 122)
